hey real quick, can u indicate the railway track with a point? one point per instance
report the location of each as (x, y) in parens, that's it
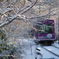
(55, 46)
(52, 50)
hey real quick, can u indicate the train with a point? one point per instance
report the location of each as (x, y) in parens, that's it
(46, 31)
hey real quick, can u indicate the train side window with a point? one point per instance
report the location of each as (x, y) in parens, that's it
(46, 27)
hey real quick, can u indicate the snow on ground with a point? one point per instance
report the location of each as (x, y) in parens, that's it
(47, 54)
(57, 43)
(30, 50)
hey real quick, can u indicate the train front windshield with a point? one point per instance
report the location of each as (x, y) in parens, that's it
(47, 28)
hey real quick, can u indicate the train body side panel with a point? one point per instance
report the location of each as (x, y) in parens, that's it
(46, 35)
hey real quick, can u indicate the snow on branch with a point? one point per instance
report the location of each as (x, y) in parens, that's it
(52, 11)
(21, 11)
(26, 8)
(7, 22)
(17, 16)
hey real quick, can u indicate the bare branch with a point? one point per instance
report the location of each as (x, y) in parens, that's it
(13, 18)
(42, 16)
(46, 14)
(17, 15)
(27, 7)
(6, 10)
(7, 22)
(23, 10)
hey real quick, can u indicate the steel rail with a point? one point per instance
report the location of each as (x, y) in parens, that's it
(50, 51)
(55, 46)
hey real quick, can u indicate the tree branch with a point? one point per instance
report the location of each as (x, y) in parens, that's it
(17, 15)
(7, 22)
(26, 8)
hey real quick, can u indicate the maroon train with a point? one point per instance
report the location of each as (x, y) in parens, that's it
(46, 31)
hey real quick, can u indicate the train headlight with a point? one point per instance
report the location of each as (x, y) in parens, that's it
(49, 35)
